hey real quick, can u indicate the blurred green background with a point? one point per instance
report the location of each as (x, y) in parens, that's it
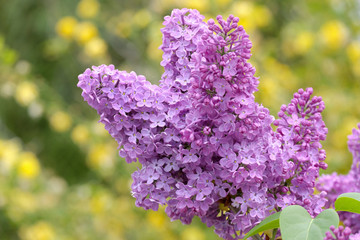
(60, 175)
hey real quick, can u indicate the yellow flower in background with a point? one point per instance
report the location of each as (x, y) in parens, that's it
(95, 48)
(261, 15)
(155, 36)
(25, 93)
(101, 156)
(100, 202)
(39, 231)
(65, 27)
(157, 219)
(333, 34)
(281, 72)
(303, 42)
(9, 151)
(88, 8)
(60, 121)
(244, 11)
(339, 137)
(251, 16)
(80, 134)
(268, 88)
(84, 32)
(353, 51)
(201, 5)
(297, 42)
(153, 51)
(142, 18)
(28, 165)
(270, 91)
(192, 233)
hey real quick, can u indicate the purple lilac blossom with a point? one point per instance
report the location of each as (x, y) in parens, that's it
(206, 147)
(336, 184)
(340, 233)
(300, 129)
(355, 236)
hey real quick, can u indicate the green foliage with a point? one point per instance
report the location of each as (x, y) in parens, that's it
(271, 222)
(296, 223)
(349, 202)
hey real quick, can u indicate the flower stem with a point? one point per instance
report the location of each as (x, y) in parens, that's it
(256, 237)
(274, 234)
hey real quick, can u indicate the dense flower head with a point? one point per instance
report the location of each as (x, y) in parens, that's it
(181, 34)
(340, 233)
(206, 147)
(300, 129)
(335, 184)
(355, 236)
(354, 148)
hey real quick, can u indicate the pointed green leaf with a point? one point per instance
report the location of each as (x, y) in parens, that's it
(349, 202)
(297, 224)
(270, 222)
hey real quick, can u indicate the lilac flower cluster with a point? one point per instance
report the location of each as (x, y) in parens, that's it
(340, 233)
(181, 36)
(301, 128)
(335, 184)
(206, 147)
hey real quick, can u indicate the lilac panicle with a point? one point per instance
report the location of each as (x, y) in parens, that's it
(181, 34)
(354, 148)
(207, 149)
(300, 130)
(340, 233)
(335, 184)
(355, 236)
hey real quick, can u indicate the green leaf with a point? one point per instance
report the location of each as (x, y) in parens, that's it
(297, 224)
(270, 222)
(349, 202)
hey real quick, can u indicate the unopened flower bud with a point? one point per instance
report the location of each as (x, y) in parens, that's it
(207, 130)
